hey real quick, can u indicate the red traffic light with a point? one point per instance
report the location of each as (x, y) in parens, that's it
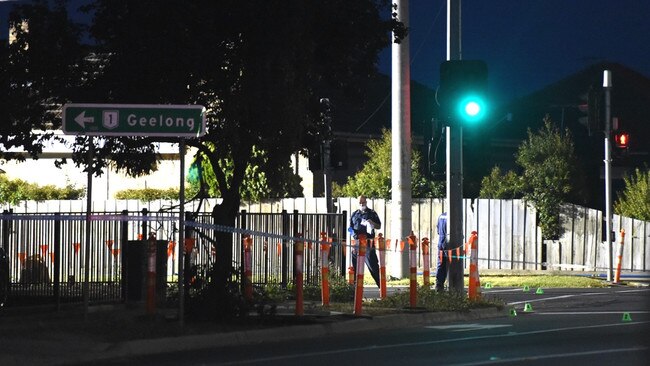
(622, 139)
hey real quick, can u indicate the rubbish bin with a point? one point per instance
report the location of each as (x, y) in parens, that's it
(136, 260)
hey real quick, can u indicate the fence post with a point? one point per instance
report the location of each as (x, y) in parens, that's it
(284, 249)
(619, 258)
(243, 224)
(151, 274)
(145, 229)
(124, 237)
(57, 261)
(324, 257)
(343, 235)
(298, 250)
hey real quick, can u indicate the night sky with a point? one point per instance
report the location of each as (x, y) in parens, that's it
(527, 44)
(531, 43)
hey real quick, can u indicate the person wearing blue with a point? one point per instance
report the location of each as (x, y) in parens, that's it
(443, 261)
(365, 221)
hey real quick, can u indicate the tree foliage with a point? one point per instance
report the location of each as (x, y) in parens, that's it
(259, 68)
(634, 200)
(13, 191)
(548, 163)
(374, 178)
(256, 185)
(499, 185)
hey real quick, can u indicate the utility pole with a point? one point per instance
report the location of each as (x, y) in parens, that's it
(454, 158)
(607, 85)
(401, 143)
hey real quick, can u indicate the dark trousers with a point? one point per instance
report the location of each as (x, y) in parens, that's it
(371, 261)
(441, 272)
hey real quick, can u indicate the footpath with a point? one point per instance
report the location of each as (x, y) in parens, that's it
(45, 336)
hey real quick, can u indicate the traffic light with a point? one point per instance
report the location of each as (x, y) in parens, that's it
(622, 140)
(463, 92)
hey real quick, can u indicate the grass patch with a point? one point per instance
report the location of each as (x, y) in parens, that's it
(544, 281)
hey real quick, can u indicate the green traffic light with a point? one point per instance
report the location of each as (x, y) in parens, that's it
(471, 109)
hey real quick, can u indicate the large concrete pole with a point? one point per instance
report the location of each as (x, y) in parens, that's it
(401, 146)
(454, 158)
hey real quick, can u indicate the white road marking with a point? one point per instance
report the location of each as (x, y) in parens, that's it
(494, 360)
(591, 312)
(573, 295)
(467, 327)
(423, 343)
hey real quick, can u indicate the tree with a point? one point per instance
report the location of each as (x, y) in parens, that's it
(501, 186)
(634, 200)
(37, 72)
(374, 179)
(548, 162)
(259, 68)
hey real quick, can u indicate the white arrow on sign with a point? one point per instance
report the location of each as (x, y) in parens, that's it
(81, 119)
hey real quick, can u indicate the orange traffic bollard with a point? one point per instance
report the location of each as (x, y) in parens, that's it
(426, 262)
(474, 281)
(361, 264)
(298, 250)
(619, 258)
(151, 275)
(381, 244)
(413, 263)
(248, 267)
(325, 269)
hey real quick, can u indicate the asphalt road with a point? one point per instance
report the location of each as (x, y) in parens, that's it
(564, 327)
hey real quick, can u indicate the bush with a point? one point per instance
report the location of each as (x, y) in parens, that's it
(153, 194)
(13, 191)
(634, 201)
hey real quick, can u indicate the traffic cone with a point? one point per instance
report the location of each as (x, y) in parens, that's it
(488, 285)
(528, 308)
(627, 317)
(513, 312)
(526, 288)
(539, 291)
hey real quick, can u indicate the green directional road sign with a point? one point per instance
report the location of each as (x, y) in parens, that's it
(134, 120)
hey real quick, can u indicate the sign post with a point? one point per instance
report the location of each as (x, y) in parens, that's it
(184, 121)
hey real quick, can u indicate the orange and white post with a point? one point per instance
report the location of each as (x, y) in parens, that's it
(298, 250)
(426, 263)
(381, 244)
(361, 265)
(413, 264)
(619, 258)
(325, 269)
(248, 267)
(474, 281)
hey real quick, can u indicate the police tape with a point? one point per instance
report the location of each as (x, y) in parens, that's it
(150, 218)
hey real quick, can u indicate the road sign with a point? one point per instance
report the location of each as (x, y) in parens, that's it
(134, 120)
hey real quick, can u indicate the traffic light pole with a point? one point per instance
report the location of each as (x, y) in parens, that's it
(454, 159)
(607, 85)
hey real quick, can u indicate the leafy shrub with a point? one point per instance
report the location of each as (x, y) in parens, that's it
(153, 194)
(13, 191)
(634, 201)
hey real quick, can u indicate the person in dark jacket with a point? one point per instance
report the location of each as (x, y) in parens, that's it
(441, 273)
(365, 221)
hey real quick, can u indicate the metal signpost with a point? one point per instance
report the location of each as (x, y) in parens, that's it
(183, 121)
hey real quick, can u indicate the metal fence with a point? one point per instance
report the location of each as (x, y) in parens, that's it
(48, 252)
